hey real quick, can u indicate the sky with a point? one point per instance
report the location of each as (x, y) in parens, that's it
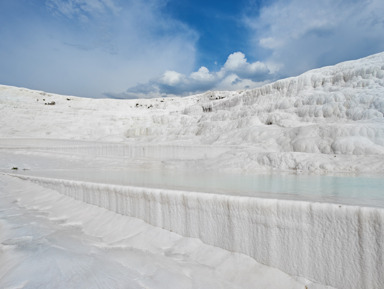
(159, 48)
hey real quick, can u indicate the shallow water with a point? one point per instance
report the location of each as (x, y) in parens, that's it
(354, 190)
(360, 190)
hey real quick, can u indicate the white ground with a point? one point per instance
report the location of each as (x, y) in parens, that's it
(52, 241)
(328, 120)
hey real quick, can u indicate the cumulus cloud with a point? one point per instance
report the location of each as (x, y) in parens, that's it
(289, 38)
(238, 64)
(298, 35)
(89, 47)
(236, 73)
(100, 47)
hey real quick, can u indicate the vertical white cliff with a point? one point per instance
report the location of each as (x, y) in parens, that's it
(337, 245)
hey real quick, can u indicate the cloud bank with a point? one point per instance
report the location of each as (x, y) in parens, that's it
(299, 35)
(99, 48)
(87, 47)
(236, 73)
(289, 38)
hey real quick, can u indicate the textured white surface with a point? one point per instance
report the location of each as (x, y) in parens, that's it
(328, 120)
(341, 246)
(298, 124)
(48, 240)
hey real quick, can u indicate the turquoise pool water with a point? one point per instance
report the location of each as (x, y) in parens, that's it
(353, 190)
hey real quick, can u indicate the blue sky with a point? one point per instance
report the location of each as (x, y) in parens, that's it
(133, 48)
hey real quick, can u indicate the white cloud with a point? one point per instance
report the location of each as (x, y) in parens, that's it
(89, 47)
(237, 73)
(234, 82)
(237, 63)
(171, 78)
(292, 36)
(81, 8)
(202, 75)
(300, 34)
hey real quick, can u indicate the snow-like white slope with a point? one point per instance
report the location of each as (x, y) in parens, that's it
(337, 245)
(325, 120)
(48, 240)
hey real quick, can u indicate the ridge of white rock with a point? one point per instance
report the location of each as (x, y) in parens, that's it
(337, 245)
(299, 123)
(328, 120)
(48, 240)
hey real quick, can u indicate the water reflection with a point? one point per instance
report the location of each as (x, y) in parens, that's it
(360, 190)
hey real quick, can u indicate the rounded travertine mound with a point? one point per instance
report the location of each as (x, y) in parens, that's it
(325, 120)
